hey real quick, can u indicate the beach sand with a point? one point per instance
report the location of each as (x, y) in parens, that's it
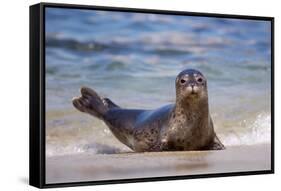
(93, 167)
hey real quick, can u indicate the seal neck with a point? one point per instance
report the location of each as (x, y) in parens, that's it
(191, 106)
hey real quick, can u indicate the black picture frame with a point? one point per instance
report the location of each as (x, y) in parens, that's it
(37, 94)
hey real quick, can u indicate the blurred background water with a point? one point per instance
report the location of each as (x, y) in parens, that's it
(134, 58)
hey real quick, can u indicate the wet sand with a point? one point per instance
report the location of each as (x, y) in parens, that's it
(92, 167)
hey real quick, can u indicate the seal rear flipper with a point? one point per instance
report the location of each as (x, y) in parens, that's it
(110, 104)
(90, 102)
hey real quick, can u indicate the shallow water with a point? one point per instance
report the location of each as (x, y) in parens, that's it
(134, 59)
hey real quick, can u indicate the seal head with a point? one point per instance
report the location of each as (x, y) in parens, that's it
(191, 85)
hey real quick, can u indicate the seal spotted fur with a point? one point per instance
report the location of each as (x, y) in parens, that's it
(185, 125)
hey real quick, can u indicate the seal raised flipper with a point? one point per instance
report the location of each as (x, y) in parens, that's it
(90, 102)
(120, 121)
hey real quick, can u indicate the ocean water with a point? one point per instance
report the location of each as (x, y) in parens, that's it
(134, 58)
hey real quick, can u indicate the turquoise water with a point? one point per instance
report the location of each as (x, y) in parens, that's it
(134, 58)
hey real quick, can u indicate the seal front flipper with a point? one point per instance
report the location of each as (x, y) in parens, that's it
(90, 102)
(215, 145)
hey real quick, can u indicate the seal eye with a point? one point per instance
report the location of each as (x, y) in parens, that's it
(183, 81)
(200, 80)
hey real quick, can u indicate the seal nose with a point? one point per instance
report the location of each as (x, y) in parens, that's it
(192, 85)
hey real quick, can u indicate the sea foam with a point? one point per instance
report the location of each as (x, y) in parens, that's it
(256, 132)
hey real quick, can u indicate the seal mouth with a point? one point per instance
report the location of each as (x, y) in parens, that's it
(193, 90)
(193, 94)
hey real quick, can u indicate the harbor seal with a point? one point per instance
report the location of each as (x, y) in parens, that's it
(183, 126)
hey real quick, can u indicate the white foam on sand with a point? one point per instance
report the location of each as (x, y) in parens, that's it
(250, 133)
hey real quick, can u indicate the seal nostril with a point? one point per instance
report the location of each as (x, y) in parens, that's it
(183, 81)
